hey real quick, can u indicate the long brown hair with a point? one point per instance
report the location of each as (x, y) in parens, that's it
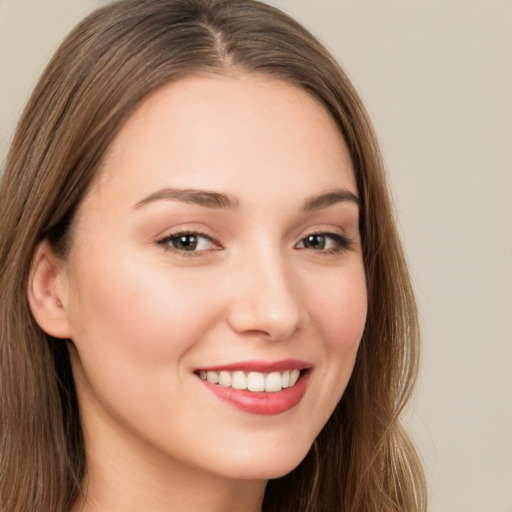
(362, 460)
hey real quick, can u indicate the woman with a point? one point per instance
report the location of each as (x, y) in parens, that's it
(204, 300)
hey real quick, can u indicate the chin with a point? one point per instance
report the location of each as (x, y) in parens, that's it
(265, 464)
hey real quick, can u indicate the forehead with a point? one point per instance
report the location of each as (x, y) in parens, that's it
(227, 133)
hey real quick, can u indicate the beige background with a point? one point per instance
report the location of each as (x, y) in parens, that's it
(437, 79)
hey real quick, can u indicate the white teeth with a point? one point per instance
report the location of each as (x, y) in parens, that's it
(285, 379)
(273, 382)
(253, 381)
(225, 379)
(212, 377)
(239, 380)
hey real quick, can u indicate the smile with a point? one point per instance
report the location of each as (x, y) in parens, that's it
(252, 381)
(258, 387)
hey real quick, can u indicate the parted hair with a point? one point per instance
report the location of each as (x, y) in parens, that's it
(362, 461)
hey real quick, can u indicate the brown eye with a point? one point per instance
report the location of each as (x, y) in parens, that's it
(184, 242)
(316, 242)
(325, 242)
(188, 242)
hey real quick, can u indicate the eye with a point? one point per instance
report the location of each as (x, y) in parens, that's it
(188, 242)
(325, 242)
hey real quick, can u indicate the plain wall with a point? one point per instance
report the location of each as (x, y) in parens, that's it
(436, 77)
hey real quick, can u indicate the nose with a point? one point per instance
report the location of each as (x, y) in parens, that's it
(266, 300)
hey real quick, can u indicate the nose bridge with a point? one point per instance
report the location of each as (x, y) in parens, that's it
(266, 301)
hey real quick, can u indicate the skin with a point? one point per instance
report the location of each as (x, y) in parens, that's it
(144, 316)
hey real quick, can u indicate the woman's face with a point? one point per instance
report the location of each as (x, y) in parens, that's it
(220, 241)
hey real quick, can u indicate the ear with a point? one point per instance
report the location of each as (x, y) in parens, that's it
(47, 292)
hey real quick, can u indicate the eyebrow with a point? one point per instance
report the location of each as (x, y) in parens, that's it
(200, 197)
(329, 198)
(210, 199)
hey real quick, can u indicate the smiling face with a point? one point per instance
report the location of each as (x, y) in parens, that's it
(220, 241)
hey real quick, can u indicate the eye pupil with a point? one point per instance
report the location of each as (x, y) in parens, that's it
(185, 242)
(315, 242)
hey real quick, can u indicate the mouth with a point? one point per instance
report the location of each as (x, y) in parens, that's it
(252, 381)
(258, 387)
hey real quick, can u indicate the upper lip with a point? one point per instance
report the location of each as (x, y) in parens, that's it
(261, 366)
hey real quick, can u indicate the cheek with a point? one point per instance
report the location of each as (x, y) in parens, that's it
(132, 310)
(338, 311)
(339, 308)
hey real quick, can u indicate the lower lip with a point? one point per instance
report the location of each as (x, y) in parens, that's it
(263, 403)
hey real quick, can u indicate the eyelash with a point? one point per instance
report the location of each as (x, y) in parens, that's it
(342, 243)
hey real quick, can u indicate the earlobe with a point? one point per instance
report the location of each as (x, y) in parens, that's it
(47, 292)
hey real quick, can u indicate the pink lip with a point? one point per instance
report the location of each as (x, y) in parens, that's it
(262, 403)
(261, 366)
